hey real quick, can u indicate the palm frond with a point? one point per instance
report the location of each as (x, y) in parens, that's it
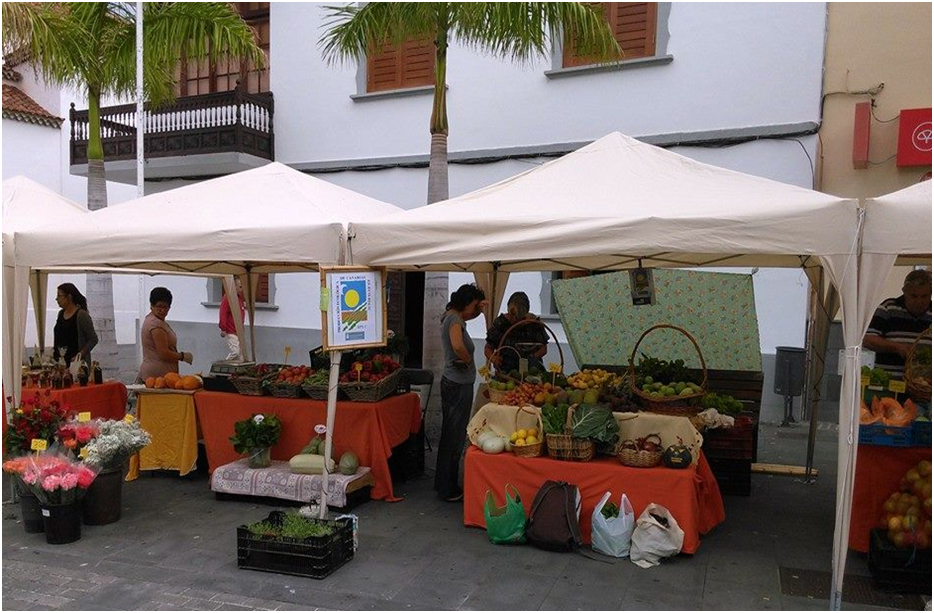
(352, 31)
(53, 43)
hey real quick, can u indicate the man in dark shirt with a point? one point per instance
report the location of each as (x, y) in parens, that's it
(529, 341)
(899, 321)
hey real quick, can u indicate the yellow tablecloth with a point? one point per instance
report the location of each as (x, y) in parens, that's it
(171, 421)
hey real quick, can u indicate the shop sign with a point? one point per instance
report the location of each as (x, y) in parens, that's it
(914, 138)
(353, 304)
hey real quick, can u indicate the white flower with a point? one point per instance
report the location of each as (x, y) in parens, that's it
(258, 419)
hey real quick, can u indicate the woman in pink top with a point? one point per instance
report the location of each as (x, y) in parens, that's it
(160, 353)
(228, 326)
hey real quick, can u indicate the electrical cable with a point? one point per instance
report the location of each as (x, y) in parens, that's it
(872, 111)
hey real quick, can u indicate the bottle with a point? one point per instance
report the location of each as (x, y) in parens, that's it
(57, 379)
(98, 373)
(43, 378)
(68, 379)
(83, 374)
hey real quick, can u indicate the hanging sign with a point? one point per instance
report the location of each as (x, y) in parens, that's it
(356, 307)
(642, 285)
(914, 138)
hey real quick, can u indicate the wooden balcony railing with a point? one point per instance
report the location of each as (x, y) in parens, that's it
(210, 123)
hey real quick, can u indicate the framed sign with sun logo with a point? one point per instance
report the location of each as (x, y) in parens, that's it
(353, 305)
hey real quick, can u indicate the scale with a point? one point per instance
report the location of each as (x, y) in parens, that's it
(224, 368)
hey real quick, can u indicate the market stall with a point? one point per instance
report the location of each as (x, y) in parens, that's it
(104, 401)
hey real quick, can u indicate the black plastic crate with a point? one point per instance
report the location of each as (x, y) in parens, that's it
(407, 461)
(316, 557)
(734, 477)
(898, 569)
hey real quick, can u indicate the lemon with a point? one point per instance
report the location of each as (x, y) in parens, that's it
(531, 440)
(531, 433)
(513, 437)
(522, 433)
(519, 442)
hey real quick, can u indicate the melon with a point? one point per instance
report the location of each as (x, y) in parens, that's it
(349, 463)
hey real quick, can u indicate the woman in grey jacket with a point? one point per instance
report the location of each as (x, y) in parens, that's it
(74, 331)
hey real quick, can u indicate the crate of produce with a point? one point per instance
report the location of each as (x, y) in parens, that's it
(921, 433)
(263, 547)
(252, 381)
(903, 569)
(288, 381)
(885, 436)
(736, 443)
(373, 392)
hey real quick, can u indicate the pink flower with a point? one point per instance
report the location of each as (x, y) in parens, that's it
(85, 477)
(30, 477)
(51, 483)
(84, 435)
(69, 481)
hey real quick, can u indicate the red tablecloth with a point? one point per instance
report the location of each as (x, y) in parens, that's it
(369, 429)
(878, 472)
(690, 494)
(104, 401)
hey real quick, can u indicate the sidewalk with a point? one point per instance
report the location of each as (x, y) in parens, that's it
(175, 548)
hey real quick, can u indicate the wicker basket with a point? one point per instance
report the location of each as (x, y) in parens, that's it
(566, 447)
(640, 459)
(917, 378)
(667, 405)
(284, 390)
(250, 386)
(372, 392)
(529, 451)
(495, 396)
(316, 392)
(519, 324)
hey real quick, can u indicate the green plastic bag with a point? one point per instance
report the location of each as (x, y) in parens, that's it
(505, 525)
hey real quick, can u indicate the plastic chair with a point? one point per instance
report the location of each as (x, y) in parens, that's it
(420, 376)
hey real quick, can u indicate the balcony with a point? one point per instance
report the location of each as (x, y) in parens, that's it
(195, 136)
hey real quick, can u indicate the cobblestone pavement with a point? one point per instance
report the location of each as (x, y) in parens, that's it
(175, 548)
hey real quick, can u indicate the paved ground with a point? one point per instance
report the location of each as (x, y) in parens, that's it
(175, 549)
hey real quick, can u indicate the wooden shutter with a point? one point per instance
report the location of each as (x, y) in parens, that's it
(411, 64)
(262, 289)
(633, 25)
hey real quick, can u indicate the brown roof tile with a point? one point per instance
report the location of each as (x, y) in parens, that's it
(17, 105)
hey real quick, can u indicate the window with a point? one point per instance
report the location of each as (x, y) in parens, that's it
(265, 291)
(634, 26)
(196, 77)
(411, 64)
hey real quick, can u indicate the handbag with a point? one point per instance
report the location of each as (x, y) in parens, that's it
(505, 525)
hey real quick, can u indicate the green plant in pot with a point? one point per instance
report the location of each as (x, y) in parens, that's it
(255, 436)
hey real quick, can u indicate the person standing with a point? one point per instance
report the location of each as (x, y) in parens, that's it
(898, 322)
(73, 334)
(160, 351)
(529, 341)
(457, 383)
(228, 326)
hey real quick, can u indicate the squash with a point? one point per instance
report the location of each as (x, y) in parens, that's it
(189, 382)
(309, 464)
(349, 463)
(494, 444)
(150, 382)
(159, 383)
(484, 436)
(315, 447)
(171, 380)
(678, 456)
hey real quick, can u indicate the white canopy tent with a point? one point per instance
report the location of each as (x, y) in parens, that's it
(619, 203)
(26, 205)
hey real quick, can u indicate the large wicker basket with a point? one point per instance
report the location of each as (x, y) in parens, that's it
(566, 447)
(250, 386)
(372, 392)
(677, 406)
(640, 458)
(503, 347)
(529, 451)
(918, 376)
(284, 390)
(316, 392)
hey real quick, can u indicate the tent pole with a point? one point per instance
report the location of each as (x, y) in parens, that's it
(328, 435)
(252, 307)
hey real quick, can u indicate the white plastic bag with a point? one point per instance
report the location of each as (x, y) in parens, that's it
(654, 539)
(612, 536)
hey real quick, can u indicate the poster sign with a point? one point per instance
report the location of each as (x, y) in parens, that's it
(642, 285)
(353, 300)
(914, 138)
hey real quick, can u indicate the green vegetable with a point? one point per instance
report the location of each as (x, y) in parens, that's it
(877, 376)
(610, 510)
(595, 422)
(651, 370)
(723, 404)
(293, 526)
(554, 418)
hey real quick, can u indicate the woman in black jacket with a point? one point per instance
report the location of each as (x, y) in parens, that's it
(74, 330)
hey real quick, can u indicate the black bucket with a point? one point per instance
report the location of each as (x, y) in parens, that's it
(62, 523)
(104, 499)
(32, 512)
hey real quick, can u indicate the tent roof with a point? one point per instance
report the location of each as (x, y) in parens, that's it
(607, 205)
(900, 223)
(27, 205)
(271, 218)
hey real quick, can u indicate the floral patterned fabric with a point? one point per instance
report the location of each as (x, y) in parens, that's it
(278, 481)
(718, 309)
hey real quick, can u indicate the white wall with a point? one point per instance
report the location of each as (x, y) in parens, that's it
(735, 65)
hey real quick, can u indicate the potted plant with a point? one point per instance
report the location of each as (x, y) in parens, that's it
(39, 418)
(109, 451)
(256, 436)
(59, 483)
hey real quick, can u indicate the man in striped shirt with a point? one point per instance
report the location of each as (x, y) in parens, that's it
(898, 322)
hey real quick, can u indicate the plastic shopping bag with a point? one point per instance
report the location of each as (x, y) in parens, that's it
(657, 535)
(611, 536)
(506, 524)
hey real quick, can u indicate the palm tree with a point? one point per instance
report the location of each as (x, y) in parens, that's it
(518, 31)
(91, 47)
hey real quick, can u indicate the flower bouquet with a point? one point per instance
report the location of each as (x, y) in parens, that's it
(75, 435)
(38, 417)
(115, 442)
(56, 479)
(255, 436)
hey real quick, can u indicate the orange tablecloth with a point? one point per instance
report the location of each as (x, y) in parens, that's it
(104, 401)
(369, 429)
(878, 472)
(690, 494)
